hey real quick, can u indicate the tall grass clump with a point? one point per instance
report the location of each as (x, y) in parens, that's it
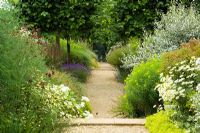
(114, 57)
(80, 53)
(116, 54)
(82, 59)
(20, 60)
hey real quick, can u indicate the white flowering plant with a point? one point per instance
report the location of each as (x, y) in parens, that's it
(66, 101)
(50, 104)
(180, 91)
(4, 4)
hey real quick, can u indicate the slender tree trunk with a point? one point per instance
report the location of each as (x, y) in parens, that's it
(56, 49)
(68, 51)
(58, 41)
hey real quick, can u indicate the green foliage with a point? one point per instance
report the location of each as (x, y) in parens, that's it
(82, 57)
(29, 103)
(114, 58)
(19, 61)
(140, 93)
(67, 19)
(81, 74)
(67, 79)
(179, 88)
(80, 53)
(134, 42)
(161, 123)
(187, 50)
(179, 25)
(133, 17)
(104, 30)
(70, 17)
(115, 54)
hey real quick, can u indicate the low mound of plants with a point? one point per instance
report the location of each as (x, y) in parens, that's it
(82, 60)
(57, 78)
(161, 123)
(78, 71)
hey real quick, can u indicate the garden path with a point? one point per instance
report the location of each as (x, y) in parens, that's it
(103, 90)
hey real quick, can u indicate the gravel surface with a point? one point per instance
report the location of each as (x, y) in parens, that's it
(107, 129)
(103, 91)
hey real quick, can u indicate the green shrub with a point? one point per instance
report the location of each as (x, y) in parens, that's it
(180, 91)
(81, 75)
(177, 26)
(122, 74)
(115, 54)
(114, 58)
(140, 93)
(187, 50)
(161, 123)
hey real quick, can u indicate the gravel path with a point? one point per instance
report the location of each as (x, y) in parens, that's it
(103, 91)
(108, 129)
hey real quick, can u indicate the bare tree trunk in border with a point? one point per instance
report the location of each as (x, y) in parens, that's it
(57, 50)
(68, 51)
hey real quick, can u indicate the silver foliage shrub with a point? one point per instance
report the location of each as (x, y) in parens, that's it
(177, 26)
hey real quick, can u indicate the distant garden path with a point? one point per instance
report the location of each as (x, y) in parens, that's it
(103, 90)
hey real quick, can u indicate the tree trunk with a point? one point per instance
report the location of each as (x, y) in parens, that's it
(68, 51)
(58, 41)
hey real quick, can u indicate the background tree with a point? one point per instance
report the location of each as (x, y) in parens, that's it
(136, 16)
(65, 18)
(104, 33)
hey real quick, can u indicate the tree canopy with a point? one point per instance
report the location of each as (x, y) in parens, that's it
(70, 17)
(136, 16)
